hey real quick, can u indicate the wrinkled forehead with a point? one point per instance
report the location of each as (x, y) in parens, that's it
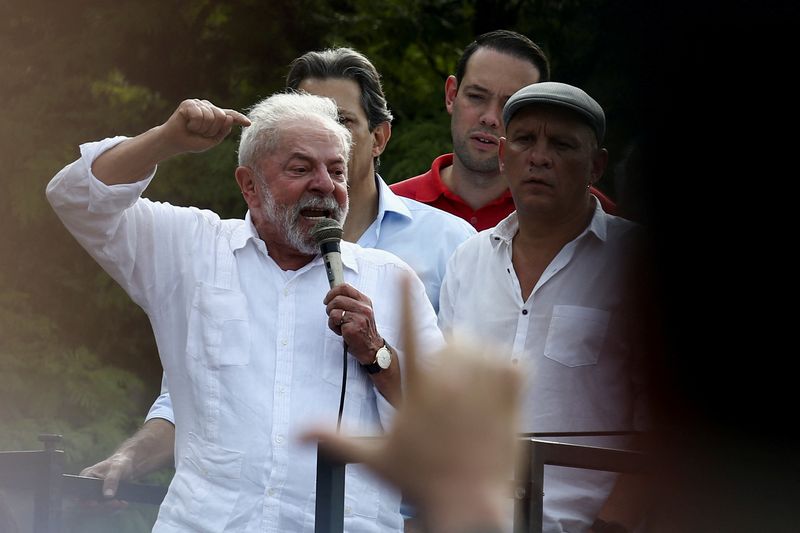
(315, 135)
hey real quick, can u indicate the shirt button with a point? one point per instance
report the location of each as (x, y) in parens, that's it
(474, 220)
(286, 292)
(514, 361)
(281, 389)
(284, 342)
(524, 311)
(279, 439)
(347, 510)
(271, 492)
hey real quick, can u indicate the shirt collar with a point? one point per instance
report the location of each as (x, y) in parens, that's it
(389, 202)
(431, 186)
(599, 223)
(247, 231)
(243, 233)
(348, 256)
(505, 230)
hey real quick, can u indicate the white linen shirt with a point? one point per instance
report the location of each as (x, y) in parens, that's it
(568, 338)
(247, 352)
(422, 236)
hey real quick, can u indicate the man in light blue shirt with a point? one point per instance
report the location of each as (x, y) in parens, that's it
(421, 235)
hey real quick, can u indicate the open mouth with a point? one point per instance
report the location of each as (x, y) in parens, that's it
(483, 138)
(315, 213)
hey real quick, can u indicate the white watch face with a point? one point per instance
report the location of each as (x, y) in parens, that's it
(383, 357)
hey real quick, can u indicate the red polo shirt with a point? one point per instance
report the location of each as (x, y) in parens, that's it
(429, 188)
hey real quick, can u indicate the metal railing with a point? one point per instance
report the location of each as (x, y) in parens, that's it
(42, 471)
(528, 485)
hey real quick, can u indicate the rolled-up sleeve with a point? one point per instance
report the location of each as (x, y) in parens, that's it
(162, 407)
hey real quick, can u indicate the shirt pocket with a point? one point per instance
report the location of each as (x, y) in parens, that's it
(576, 335)
(362, 501)
(219, 330)
(206, 486)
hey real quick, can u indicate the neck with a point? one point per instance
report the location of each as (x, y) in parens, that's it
(476, 188)
(536, 244)
(543, 231)
(363, 195)
(287, 258)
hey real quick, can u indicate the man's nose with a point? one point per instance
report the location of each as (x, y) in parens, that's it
(321, 181)
(492, 116)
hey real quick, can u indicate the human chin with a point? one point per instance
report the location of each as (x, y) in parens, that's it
(478, 161)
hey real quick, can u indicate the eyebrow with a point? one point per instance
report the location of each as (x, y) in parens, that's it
(300, 155)
(476, 87)
(484, 90)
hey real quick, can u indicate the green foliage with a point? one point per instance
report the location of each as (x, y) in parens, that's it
(412, 148)
(47, 387)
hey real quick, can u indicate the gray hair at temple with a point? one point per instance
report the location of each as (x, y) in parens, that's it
(273, 114)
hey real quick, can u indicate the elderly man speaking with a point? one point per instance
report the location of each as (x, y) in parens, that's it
(250, 335)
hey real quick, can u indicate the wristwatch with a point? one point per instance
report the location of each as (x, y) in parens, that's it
(383, 359)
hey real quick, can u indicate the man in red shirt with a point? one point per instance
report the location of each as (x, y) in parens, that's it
(467, 183)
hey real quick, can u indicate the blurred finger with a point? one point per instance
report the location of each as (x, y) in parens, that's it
(344, 449)
(512, 389)
(408, 334)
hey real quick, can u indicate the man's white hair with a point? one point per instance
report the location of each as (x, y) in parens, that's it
(269, 116)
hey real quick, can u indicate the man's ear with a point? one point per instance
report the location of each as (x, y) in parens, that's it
(450, 91)
(380, 138)
(246, 179)
(599, 163)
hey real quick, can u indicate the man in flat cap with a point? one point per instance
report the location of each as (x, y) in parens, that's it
(552, 282)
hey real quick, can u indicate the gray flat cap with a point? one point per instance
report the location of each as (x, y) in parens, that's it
(558, 94)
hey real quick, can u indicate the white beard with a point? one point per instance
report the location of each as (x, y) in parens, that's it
(287, 217)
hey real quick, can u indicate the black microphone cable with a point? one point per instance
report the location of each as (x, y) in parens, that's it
(344, 385)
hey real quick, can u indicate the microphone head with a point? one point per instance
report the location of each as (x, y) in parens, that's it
(326, 230)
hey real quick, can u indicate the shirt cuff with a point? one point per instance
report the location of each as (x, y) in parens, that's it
(109, 198)
(161, 408)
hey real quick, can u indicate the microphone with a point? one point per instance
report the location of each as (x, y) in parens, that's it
(328, 234)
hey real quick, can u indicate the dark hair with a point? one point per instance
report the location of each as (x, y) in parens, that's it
(349, 64)
(510, 43)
